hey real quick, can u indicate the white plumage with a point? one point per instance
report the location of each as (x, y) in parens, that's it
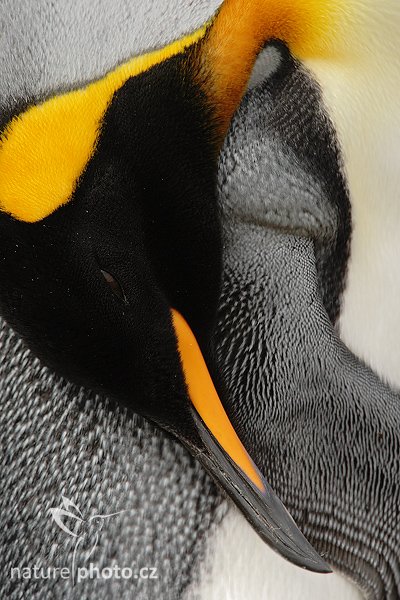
(362, 93)
(239, 566)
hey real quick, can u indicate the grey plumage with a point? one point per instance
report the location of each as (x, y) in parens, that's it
(48, 45)
(57, 440)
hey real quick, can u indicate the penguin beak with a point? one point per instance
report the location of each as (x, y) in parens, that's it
(225, 458)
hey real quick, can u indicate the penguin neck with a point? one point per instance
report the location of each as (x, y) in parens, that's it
(363, 101)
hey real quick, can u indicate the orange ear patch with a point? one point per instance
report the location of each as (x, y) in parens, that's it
(45, 150)
(242, 27)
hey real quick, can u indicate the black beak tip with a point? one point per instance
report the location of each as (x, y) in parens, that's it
(281, 530)
(262, 509)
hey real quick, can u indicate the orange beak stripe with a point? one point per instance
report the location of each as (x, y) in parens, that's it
(206, 401)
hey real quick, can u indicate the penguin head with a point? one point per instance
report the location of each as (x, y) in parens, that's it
(94, 264)
(111, 249)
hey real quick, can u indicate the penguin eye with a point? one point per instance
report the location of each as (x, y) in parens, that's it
(114, 285)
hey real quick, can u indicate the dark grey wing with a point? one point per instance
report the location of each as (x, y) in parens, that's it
(323, 428)
(320, 425)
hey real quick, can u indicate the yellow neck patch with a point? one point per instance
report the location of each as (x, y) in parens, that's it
(45, 150)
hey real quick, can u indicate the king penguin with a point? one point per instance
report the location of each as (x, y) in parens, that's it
(320, 59)
(111, 244)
